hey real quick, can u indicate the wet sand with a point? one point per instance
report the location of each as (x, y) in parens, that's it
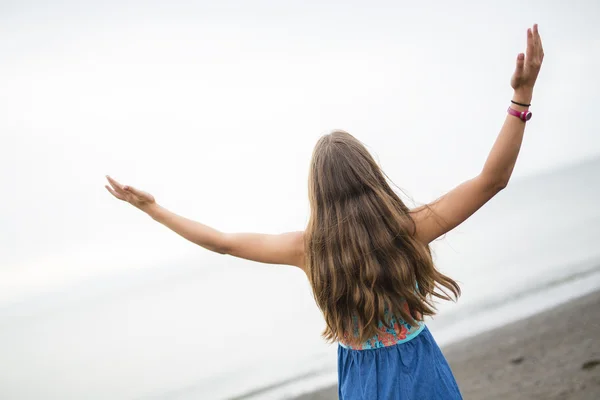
(552, 355)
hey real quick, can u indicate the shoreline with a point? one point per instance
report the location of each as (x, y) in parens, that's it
(554, 354)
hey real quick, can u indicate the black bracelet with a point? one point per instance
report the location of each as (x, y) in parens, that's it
(520, 104)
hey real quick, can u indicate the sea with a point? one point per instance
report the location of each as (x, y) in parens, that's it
(215, 327)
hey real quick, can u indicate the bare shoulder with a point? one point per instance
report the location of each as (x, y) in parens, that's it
(447, 212)
(283, 248)
(423, 217)
(297, 243)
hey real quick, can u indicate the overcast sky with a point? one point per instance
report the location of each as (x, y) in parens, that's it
(214, 107)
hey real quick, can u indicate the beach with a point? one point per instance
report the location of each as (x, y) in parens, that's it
(551, 355)
(144, 333)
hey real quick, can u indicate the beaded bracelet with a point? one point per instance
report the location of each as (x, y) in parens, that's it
(520, 104)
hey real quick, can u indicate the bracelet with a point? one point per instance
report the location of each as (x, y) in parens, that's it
(520, 104)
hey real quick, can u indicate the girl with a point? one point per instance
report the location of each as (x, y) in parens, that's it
(367, 255)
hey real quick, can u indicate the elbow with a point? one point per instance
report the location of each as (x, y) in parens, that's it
(215, 248)
(501, 185)
(222, 245)
(218, 243)
(496, 184)
(221, 250)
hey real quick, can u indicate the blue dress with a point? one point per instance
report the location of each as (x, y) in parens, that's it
(405, 363)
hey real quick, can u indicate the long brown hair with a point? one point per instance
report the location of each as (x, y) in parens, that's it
(362, 257)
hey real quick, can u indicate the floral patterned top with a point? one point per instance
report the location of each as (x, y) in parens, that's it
(399, 332)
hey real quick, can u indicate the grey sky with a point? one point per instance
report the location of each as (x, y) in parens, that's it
(214, 108)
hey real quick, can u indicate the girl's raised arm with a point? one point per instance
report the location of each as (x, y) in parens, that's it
(444, 214)
(285, 248)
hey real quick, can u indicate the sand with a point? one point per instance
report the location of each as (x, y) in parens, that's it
(553, 355)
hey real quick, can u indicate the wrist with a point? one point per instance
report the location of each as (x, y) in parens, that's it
(152, 209)
(523, 95)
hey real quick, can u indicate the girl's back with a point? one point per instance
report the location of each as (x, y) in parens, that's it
(373, 278)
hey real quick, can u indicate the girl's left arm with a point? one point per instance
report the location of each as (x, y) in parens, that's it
(452, 209)
(286, 248)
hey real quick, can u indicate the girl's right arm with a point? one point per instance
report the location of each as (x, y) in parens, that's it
(444, 214)
(285, 248)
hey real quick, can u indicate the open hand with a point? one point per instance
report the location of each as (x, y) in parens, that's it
(528, 64)
(133, 196)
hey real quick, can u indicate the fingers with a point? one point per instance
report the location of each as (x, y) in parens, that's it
(529, 53)
(520, 65)
(538, 42)
(117, 195)
(115, 185)
(537, 53)
(534, 52)
(133, 190)
(127, 193)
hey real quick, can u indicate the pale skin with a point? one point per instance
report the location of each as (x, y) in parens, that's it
(431, 221)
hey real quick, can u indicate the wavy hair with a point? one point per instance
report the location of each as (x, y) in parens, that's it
(363, 260)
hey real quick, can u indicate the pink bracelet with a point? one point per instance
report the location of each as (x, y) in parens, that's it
(523, 115)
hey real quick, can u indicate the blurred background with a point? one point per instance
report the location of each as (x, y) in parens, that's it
(214, 107)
